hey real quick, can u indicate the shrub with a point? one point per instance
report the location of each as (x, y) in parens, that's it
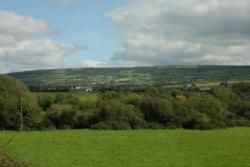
(66, 120)
(62, 120)
(198, 121)
(114, 111)
(108, 125)
(45, 100)
(157, 110)
(212, 107)
(154, 125)
(83, 120)
(101, 126)
(45, 124)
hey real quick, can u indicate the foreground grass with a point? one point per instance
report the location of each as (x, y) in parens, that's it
(143, 148)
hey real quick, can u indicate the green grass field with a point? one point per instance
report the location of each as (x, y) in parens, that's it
(142, 148)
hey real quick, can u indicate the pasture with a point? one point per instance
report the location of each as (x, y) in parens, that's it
(139, 148)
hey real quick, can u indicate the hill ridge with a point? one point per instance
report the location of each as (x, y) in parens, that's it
(174, 75)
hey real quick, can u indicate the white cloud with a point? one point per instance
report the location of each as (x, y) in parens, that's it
(92, 63)
(22, 49)
(105, 63)
(64, 2)
(11, 23)
(184, 32)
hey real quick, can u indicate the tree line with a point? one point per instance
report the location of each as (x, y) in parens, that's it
(152, 108)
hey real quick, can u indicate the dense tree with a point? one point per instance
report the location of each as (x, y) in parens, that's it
(210, 107)
(243, 90)
(157, 110)
(13, 95)
(154, 107)
(118, 113)
(45, 100)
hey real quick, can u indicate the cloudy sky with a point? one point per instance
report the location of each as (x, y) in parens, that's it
(45, 34)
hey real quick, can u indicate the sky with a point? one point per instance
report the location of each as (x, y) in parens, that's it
(48, 34)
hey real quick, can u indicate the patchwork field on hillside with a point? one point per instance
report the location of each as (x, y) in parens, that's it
(134, 77)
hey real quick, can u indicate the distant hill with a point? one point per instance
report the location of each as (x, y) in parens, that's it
(135, 76)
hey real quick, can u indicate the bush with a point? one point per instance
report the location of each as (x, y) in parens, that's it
(45, 124)
(198, 121)
(62, 120)
(157, 110)
(154, 125)
(108, 125)
(114, 111)
(101, 126)
(45, 100)
(83, 121)
(209, 108)
(67, 120)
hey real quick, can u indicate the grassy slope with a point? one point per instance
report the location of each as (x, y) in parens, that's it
(145, 148)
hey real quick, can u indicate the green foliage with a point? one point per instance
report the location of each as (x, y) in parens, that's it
(154, 108)
(113, 124)
(62, 116)
(115, 113)
(211, 108)
(12, 93)
(45, 100)
(243, 90)
(83, 120)
(46, 124)
(157, 110)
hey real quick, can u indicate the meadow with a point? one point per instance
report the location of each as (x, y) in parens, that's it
(138, 148)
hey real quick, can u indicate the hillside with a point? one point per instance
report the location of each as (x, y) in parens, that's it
(135, 76)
